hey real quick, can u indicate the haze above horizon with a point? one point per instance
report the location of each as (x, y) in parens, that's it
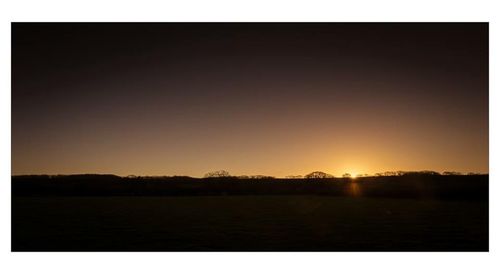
(271, 99)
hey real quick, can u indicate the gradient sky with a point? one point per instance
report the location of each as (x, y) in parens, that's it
(273, 99)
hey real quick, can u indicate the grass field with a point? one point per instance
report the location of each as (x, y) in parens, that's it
(247, 223)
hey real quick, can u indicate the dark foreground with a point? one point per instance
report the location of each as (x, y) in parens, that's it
(110, 213)
(247, 223)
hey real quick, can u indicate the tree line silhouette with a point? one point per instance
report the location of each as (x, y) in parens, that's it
(324, 175)
(420, 185)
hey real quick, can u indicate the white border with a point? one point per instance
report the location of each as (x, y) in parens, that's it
(256, 10)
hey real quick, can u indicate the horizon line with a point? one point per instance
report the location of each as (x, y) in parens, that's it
(255, 176)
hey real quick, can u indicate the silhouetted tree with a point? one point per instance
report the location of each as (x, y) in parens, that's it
(429, 172)
(261, 177)
(390, 173)
(451, 173)
(473, 173)
(346, 175)
(217, 174)
(318, 175)
(423, 172)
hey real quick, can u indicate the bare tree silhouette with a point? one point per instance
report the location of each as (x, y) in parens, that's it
(261, 177)
(393, 173)
(363, 175)
(318, 175)
(473, 173)
(451, 173)
(217, 174)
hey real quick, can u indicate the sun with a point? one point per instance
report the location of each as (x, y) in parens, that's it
(351, 175)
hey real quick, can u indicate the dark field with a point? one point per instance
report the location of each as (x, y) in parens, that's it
(247, 223)
(417, 212)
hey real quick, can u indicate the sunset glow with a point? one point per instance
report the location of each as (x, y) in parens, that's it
(248, 137)
(286, 99)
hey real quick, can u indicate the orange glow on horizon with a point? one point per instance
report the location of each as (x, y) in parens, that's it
(280, 100)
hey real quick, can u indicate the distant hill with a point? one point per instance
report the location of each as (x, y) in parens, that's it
(416, 186)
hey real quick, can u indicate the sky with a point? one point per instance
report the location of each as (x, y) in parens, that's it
(269, 99)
